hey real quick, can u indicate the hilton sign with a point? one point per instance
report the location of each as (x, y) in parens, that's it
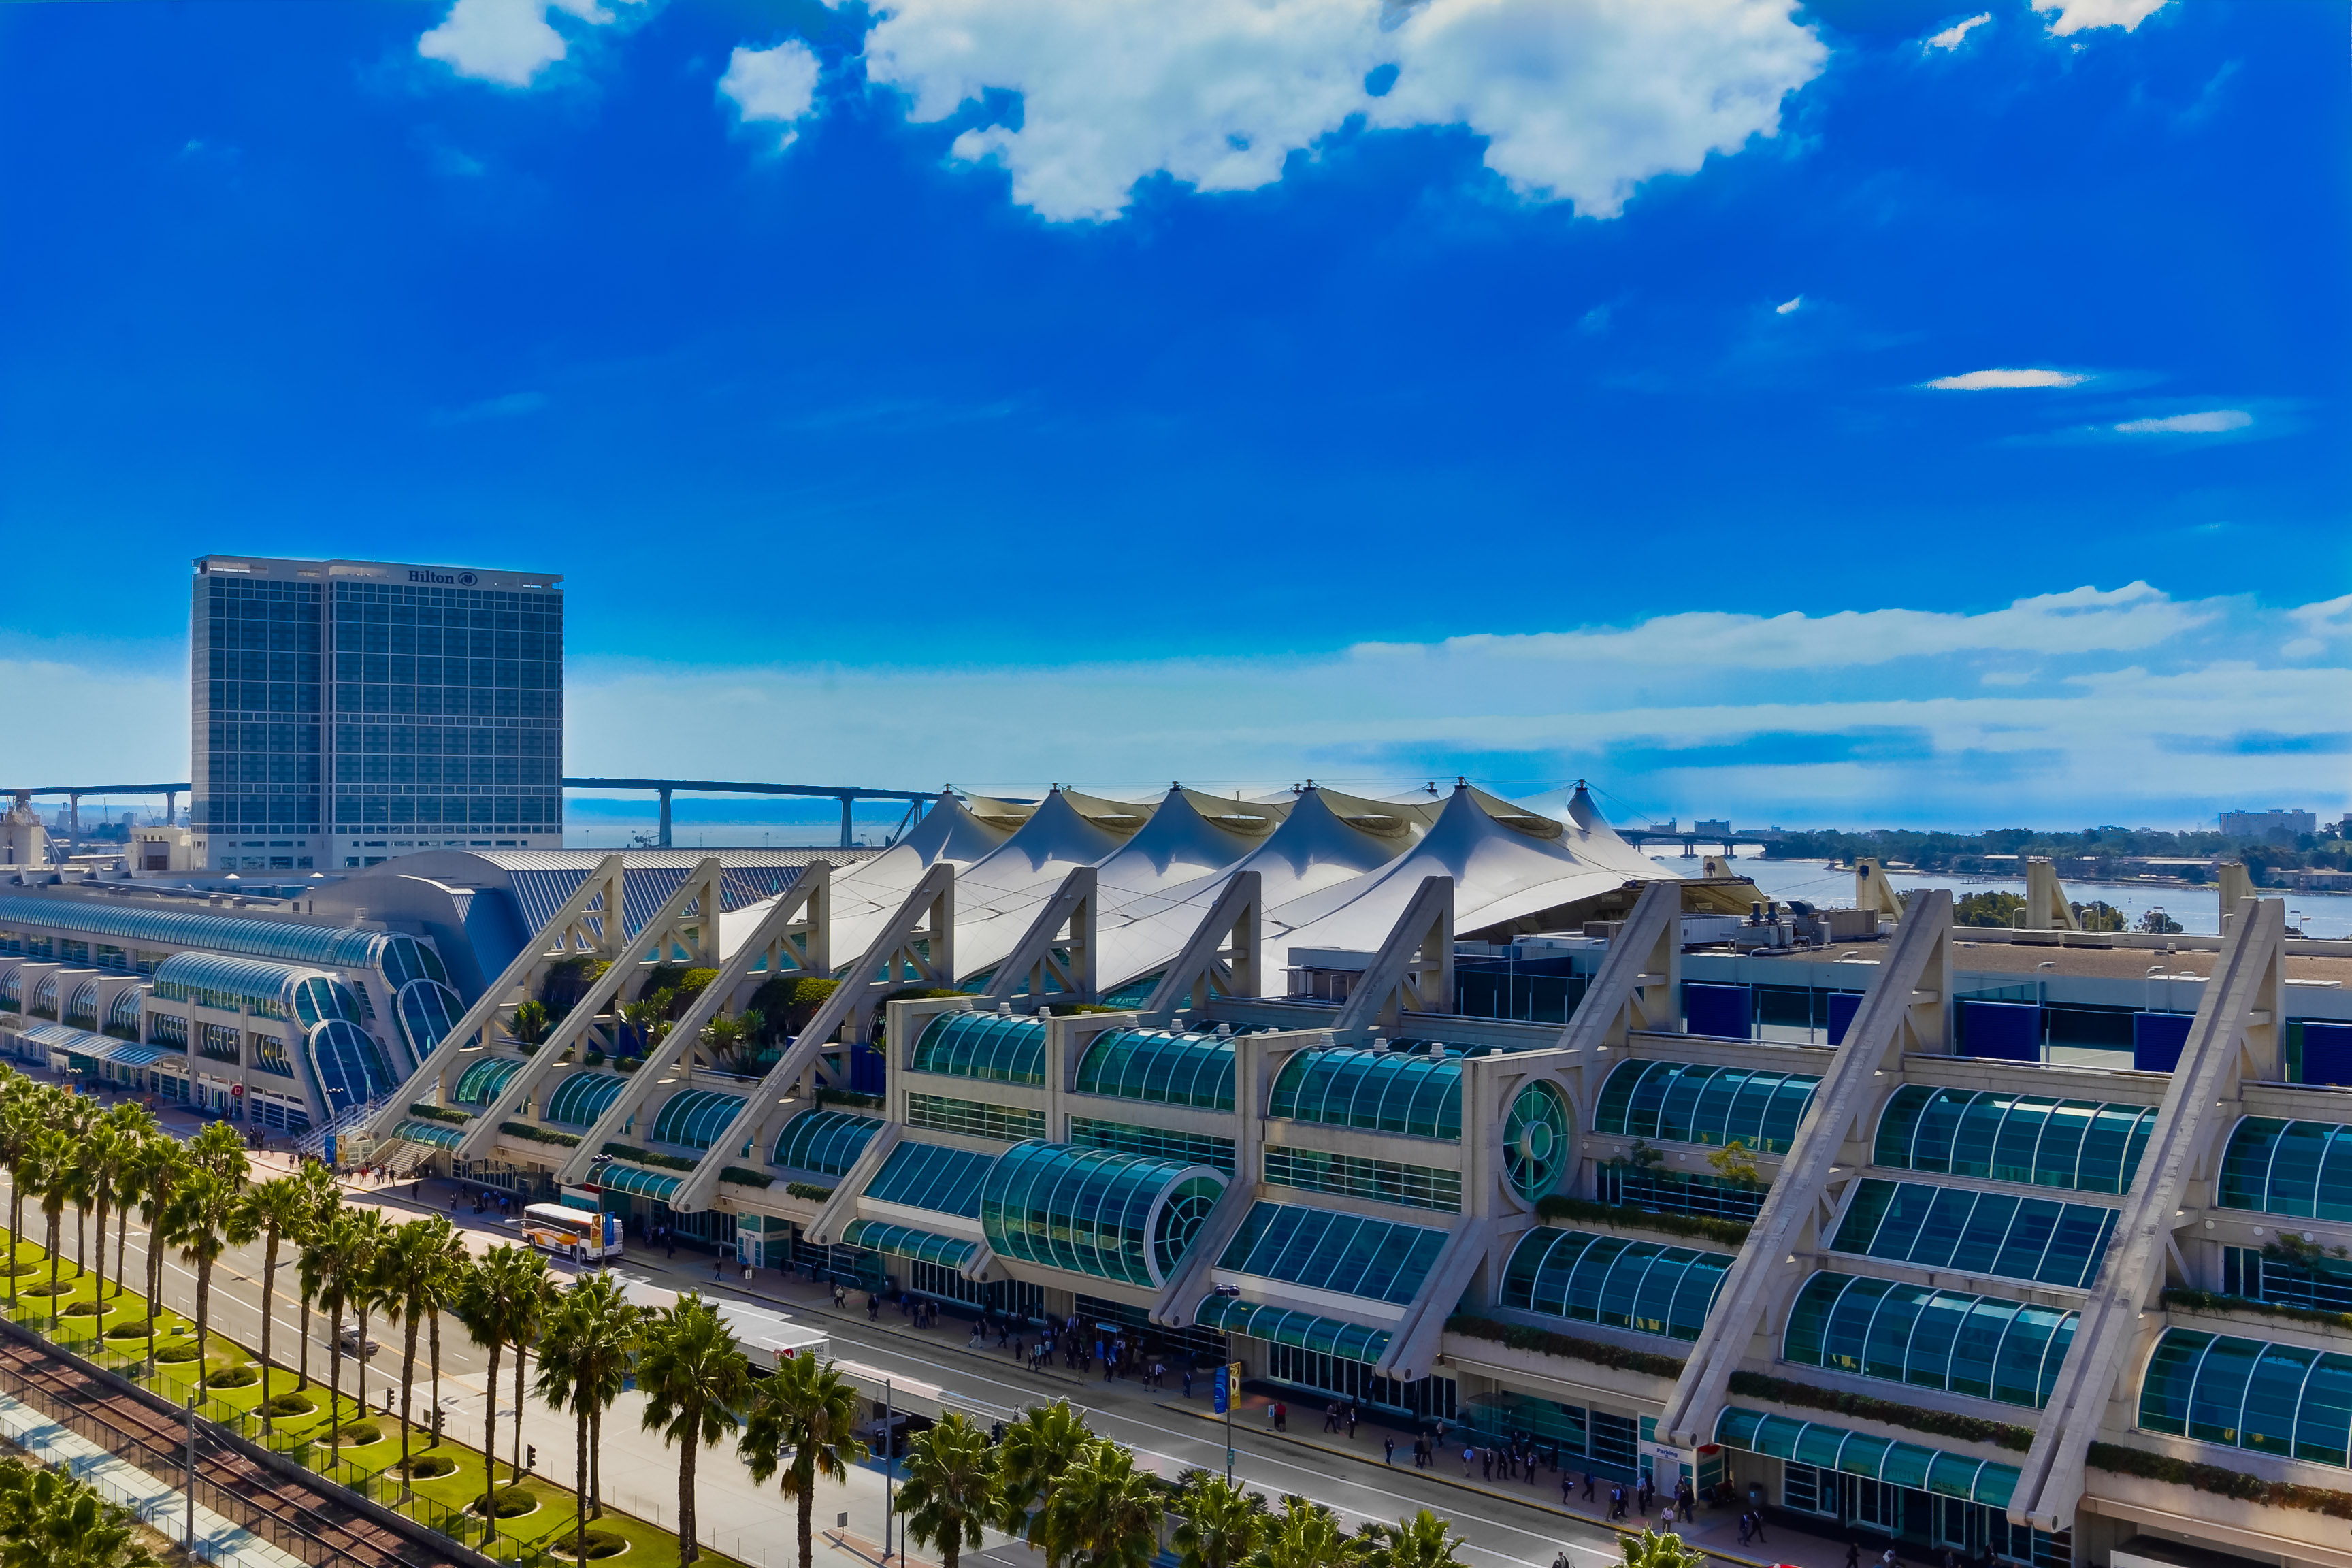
(449, 579)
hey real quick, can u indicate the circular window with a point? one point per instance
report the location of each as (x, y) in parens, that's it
(1180, 1218)
(1534, 1141)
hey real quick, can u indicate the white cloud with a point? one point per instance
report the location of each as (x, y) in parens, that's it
(506, 41)
(1787, 307)
(775, 86)
(1996, 380)
(1949, 38)
(2213, 422)
(2074, 15)
(1579, 99)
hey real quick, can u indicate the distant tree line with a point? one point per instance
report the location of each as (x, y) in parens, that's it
(2105, 847)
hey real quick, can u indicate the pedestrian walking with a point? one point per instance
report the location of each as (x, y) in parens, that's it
(1588, 1486)
(1388, 1450)
(1756, 1524)
(1187, 1383)
(1468, 1454)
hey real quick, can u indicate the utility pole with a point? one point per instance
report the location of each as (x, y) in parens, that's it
(889, 1468)
(190, 1543)
(1228, 1392)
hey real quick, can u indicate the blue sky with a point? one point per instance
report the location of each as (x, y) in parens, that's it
(1012, 391)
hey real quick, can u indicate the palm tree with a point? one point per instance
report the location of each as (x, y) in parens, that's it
(530, 1024)
(219, 1149)
(326, 1200)
(1420, 1542)
(370, 1237)
(1305, 1535)
(137, 1129)
(1652, 1550)
(327, 1276)
(811, 1409)
(1104, 1512)
(268, 1213)
(105, 1152)
(583, 1363)
(694, 1376)
(48, 1173)
(1045, 1441)
(531, 1290)
(1218, 1525)
(482, 1306)
(161, 1166)
(197, 1221)
(952, 1489)
(442, 1264)
(396, 1277)
(22, 1120)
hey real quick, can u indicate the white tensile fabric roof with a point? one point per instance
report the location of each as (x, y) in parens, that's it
(1505, 862)
(1327, 838)
(999, 895)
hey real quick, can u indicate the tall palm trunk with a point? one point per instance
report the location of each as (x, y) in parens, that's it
(360, 1352)
(518, 1420)
(15, 1234)
(596, 1462)
(491, 1449)
(101, 1319)
(81, 1239)
(434, 1331)
(580, 1484)
(122, 1244)
(269, 1297)
(688, 1549)
(305, 1382)
(56, 1223)
(204, 1314)
(154, 1285)
(806, 1511)
(335, 1385)
(407, 1389)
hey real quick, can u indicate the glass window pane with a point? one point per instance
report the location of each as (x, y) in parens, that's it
(1987, 1225)
(2273, 1396)
(1979, 1126)
(2217, 1399)
(1977, 1344)
(1897, 1124)
(1890, 1332)
(2062, 1142)
(2020, 1135)
(2327, 1412)
(2295, 1169)
(1943, 1223)
(1860, 1226)
(2029, 1238)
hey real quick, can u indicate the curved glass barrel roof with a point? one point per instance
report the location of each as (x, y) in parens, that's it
(1386, 1091)
(1644, 1286)
(1091, 1211)
(1857, 1454)
(1686, 1102)
(480, 1082)
(2091, 1146)
(1289, 1326)
(2299, 1168)
(619, 1178)
(2279, 1399)
(100, 1047)
(1162, 1068)
(12, 984)
(826, 1142)
(123, 1014)
(931, 1176)
(694, 1118)
(269, 1055)
(2038, 1239)
(1981, 1345)
(996, 1046)
(346, 1066)
(44, 994)
(321, 997)
(406, 961)
(291, 944)
(904, 1241)
(235, 984)
(1327, 1250)
(83, 1004)
(427, 1011)
(581, 1098)
(432, 1134)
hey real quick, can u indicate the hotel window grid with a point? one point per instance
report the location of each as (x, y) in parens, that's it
(974, 1118)
(255, 646)
(1349, 1176)
(1153, 1142)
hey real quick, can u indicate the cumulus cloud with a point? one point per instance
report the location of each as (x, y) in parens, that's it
(2212, 422)
(1579, 99)
(1949, 38)
(505, 41)
(1787, 307)
(2074, 15)
(1999, 380)
(775, 86)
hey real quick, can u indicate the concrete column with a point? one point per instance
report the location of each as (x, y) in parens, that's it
(847, 801)
(665, 819)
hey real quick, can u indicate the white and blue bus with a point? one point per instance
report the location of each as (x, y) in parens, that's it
(584, 1236)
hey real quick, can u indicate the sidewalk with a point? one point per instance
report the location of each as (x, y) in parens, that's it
(158, 1504)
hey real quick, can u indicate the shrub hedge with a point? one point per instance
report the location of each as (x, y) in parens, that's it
(1520, 1337)
(438, 1113)
(2214, 1301)
(2220, 1480)
(539, 1134)
(1697, 1227)
(1890, 1412)
(636, 1156)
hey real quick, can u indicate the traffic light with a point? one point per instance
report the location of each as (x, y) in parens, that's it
(531, 1456)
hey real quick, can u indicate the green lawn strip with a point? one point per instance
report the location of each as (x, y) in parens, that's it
(648, 1543)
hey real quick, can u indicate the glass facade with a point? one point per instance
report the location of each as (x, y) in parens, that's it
(581, 1098)
(329, 946)
(1159, 1067)
(994, 1046)
(1644, 1286)
(1684, 1103)
(480, 1082)
(1534, 1141)
(2038, 1239)
(1350, 1176)
(694, 1118)
(826, 1142)
(2007, 1351)
(345, 1065)
(1673, 1192)
(2091, 1146)
(931, 1176)
(1879, 1458)
(336, 704)
(904, 1241)
(427, 1011)
(974, 1118)
(1153, 1142)
(234, 985)
(2279, 1399)
(2299, 1168)
(1388, 1092)
(2312, 1282)
(1284, 1326)
(1092, 1212)
(1327, 1250)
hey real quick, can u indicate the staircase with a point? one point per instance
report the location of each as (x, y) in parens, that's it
(313, 1143)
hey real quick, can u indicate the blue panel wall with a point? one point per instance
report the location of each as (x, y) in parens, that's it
(2326, 1052)
(1727, 1010)
(1844, 1005)
(2157, 1039)
(867, 1074)
(2010, 1030)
